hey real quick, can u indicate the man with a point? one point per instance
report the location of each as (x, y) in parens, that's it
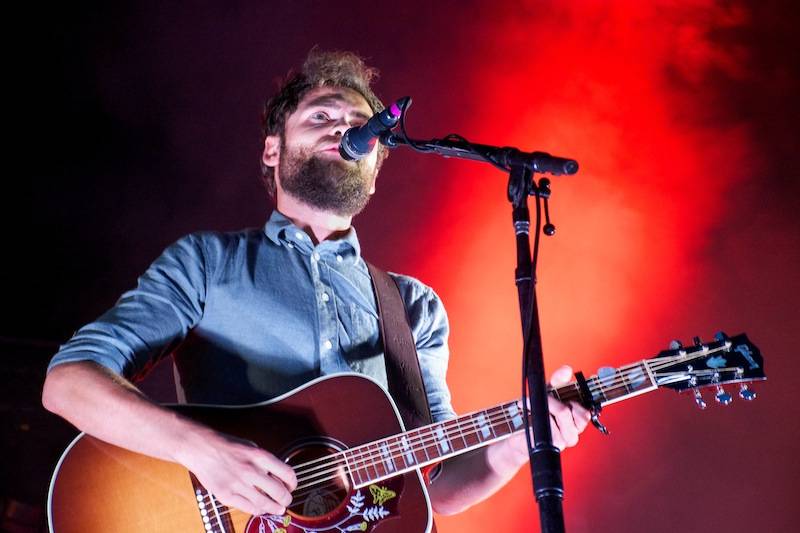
(253, 314)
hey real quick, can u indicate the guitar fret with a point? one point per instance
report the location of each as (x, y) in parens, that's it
(394, 454)
(372, 462)
(650, 375)
(600, 387)
(515, 412)
(624, 381)
(499, 426)
(649, 372)
(506, 420)
(442, 440)
(468, 430)
(408, 455)
(421, 446)
(425, 449)
(356, 470)
(491, 424)
(347, 468)
(388, 460)
(483, 426)
(471, 432)
(567, 393)
(475, 429)
(461, 434)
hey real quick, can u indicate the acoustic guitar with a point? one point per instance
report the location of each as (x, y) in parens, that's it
(357, 468)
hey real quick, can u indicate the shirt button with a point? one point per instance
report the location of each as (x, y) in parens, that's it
(325, 297)
(299, 235)
(315, 256)
(339, 258)
(328, 345)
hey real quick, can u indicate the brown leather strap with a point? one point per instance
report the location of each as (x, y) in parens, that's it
(400, 353)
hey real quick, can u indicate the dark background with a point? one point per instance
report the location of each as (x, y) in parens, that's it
(131, 125)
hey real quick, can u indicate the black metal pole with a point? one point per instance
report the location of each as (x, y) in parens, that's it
(548, 485)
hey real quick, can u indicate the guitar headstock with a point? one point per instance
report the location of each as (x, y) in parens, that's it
(714, 364)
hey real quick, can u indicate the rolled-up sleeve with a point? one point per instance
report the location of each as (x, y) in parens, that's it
(148, 321)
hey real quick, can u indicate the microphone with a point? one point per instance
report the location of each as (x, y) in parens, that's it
(358, 142)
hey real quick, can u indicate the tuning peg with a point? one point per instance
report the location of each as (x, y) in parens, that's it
(746, 393)
(697, 342)
(721, 336)
(698, 399)
(723, 397)
(675, 344)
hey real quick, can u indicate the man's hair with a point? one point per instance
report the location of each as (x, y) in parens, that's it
(321, 69)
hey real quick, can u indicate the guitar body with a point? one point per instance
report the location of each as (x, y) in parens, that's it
(100, 487)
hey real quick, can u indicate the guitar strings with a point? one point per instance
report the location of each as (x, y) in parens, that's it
(595, 385)
(367, 456)
(453, 427)
(362, 455)
(359, 456)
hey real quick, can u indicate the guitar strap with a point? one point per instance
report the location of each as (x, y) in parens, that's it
(400, 353)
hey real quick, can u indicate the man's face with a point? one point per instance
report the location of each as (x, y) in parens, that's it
(309, 167)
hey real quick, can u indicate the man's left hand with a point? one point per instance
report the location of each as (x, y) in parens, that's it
(567, 421)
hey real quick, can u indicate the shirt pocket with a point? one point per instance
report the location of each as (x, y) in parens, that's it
(359, 335)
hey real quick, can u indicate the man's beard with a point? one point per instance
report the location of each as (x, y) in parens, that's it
(328, 184)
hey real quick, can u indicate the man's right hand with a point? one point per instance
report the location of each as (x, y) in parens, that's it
(105, 405)
(239, 474)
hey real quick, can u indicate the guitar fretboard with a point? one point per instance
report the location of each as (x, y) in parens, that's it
(398, 454)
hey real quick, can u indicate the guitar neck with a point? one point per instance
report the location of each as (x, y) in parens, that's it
(426, 445)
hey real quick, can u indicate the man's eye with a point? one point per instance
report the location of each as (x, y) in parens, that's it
(319, 115)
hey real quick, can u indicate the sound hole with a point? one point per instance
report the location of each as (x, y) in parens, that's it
(322, 485)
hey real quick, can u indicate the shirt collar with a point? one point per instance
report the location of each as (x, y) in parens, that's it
(279, 228)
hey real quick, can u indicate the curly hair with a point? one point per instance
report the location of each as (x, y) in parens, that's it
(320, 69)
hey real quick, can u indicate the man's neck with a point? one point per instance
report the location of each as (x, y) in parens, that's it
(319, 225)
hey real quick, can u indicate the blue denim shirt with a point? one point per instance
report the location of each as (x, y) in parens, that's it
(253, 314)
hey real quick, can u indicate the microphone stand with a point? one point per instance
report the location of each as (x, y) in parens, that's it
(545, 461)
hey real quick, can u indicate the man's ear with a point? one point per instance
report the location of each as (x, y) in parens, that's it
(272, 150)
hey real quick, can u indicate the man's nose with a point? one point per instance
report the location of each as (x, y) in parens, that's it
(340, 127)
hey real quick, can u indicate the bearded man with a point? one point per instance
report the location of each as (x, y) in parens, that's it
(253, 314)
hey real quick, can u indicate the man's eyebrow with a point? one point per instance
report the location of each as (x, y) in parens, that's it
(333, 100)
